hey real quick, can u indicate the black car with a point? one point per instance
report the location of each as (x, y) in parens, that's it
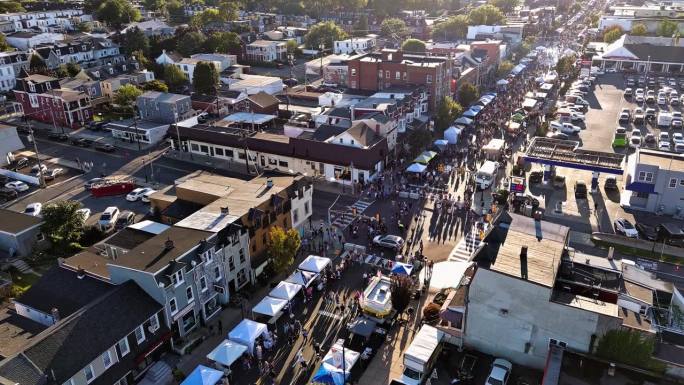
(81, 142)
(611, 183)
(105, 147)
(125, 218)
(62, 137)
(646, 231)
(20, 163)
(536, 177)
(97, 126)
(580, 190)
(8, 194)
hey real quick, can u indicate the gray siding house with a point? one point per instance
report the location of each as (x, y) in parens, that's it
(164, 107)
(19, 233)
(654, 182)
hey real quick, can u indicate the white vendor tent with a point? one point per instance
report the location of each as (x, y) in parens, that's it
(246, 333)
(301, 277)
(446, 274)
(285, 290)
(227, 352)
(451, 134)
(270, 306)
(314, 263)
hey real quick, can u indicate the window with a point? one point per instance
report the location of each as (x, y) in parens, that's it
(89, 374)
(397, 75)
(673, 182)
(428, 79)
(123, 347)
(404, 75)
(217, 273)
(177, 278)
(282, 163)
(645, 176)
(107, 359)
(387, 74)
(194, 147)
(242, 255)
(353, 72)
(218, 151)
(188, 292)
(204, 149)
(154, 322)
(295, 215)
(681, 182)
(203, 284)
(306, 208)
(380, 74)
(553, 341)
(352, 142)
(139, 334)
(208, 256)
(173, 306)
(341, 140)
(231, 263)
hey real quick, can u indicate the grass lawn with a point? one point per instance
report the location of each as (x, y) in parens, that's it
(22, 282)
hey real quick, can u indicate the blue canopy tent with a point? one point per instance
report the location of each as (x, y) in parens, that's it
(463, 120)
(470, 113)
(336, 365)
(492, 94)
(416, 168)
(485, 100)
(477, 108)
(451, 134)
(441, 143)
(402, 268)
(203, 375)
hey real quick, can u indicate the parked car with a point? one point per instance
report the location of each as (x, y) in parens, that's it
(146, 196)
(137, 193)
(635, 140)
(17, 186)
(580, 190)
(62, 137)
(500, 372)
(390, 241)
(624, 117)
(624, 227)
(557, 135)
(36, 169)
(628, 92)
(33, 209)
(610, 183)
(125, 218)
(7, 194)
(536, 177)
(639, 116)
(20, 163)
(52, 174)
(108, 218)
(664, 146)
(85, 213)
(105, 147)
(558, 181)
(646, 232)
(678, 138)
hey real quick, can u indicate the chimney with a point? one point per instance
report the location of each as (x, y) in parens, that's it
(80, 274)
(398, 56)
(523, 262)
(224, 210)
(55, 314)
(168, 245)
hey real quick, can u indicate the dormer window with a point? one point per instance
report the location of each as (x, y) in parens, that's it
(177, 278)
(208, 256)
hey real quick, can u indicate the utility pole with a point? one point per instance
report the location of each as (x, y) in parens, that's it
(52, 111)
(41, 178)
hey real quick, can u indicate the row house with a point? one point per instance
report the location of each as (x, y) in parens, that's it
(266, 51)
(350, 46)
(392, 68)
(121, 344)
(11, 64)
(86, 52)
(25, 40)
(41, 98)
(46, 20)
(188, 65)
(164, 107)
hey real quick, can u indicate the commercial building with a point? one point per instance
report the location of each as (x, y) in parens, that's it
(164, 107)
(356, 45)
(393, 68)
(643, 54)
(654, 182)
(266, 51)
(649, 15)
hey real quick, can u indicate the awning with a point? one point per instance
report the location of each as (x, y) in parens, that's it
(314, 263)
(402, 268)
(422, 159)
(470, 113)
(246, 333)
(362, 326)
(301, 277)
(441, 143)
(477, 108)
(270, 306)
(203, 375)
(502, 82)
(641, 187)
(451, 134)
(285, 290)
(227, 352)
(463, 120)
(416, 168)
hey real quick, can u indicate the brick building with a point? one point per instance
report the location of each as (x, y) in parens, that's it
(393, 68)
(42, 99)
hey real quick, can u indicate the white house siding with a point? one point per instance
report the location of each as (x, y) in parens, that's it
(33, 314)
(530, 317)
(301, 209)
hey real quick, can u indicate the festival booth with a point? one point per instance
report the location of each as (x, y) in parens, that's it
(452, 133)
(502, 84)
(285, 290)
(494, 149)
(336, 365)
(247, 332)
(377, 298)
(518, 69)
(401, 268)
(269, 309)
(512, 126)
(464, 121)
(416, 168)
(529, 104)
(470, 113)
(226, 353)
(203, 375)
(314, 263)
(441, 144)
(444, 275)
(301, 277)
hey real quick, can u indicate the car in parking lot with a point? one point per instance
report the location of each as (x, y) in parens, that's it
(84, 213)
(20, 163)
(650, 113)
(635, 141)
(52, 174)
(624, 227)
(108, 218)
(650, 141)
(662, 100)
(623, 117)
(646, 232)
(125, 218)
(33, 209)
(7, 194)
(679, 148)
(105, 147)
(36, 169)
(628, 92)
(62, 137)
(499, 373)
(639, 116)
(390, 241)
(136, 194)
(610, 183)
(580, 190)
(17, 186)
(664, 146)
(650, 97)
(678, 138)
(557, 135)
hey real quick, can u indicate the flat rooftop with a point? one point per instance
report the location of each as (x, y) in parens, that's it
(568, 153)
(584, 303)
(664, 160)
(13, 222)
(642, 293)
(635, 320)
(92, 263)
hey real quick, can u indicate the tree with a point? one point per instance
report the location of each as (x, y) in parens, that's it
(155, 85)
(191, 43)
(454, 28)
(361, 28)
(4, 46)
(394, 28)
(639, 29)
(566, 65)
(611, 34)
(223, 42)
(11, 7)
(206, 18)
(228, 10)
(291, 46)
(73, 68)
(176, 11)
(135, 40)
(667, 28)
(468, 94)
(594, 19)
(116, 13)
(37, 65)
(205, 78)
(126, 95)
(174, 77)
(324, 33)
(417, 141)
(505, 6)
(413, 46)
(486, 15)
(505, 68)
(400, 289)
(62, 223)
(628, 347)
(154, 5)
(61, 71)
(447, 111)
(282, 247)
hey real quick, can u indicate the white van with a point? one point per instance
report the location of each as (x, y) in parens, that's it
(664, 119)
(486, 175)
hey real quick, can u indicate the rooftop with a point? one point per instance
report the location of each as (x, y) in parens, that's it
(584, 303)
(128, 238)
(15, 331)
(638, 292)
(247, 81)
(567, 152)
(635, 320)
(89, 261)
(664, 160)
(164, 97)
(13, 222)
(264, 43)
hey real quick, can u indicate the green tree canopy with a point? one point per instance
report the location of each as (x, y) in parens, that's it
(4, 45)
(176, 11)
(155, 85)
(62, 223)
(223, 42)
(154, 5)
(84, 26)
(292, 46)
(324, 33)
(628, 347)
(11, 7)
(282, 247)
(468, 94)
(126, 95)
(228, 10)
(611, 34)
(639, 29)
(205, 78)
(667, 28)
(447, 111)
(361, 27)
(394, 28)
(413, 46)
(206, 18)
(566, 65)
(135, 40)
(73, 68)
(174, 77)
(116, 13)
(505, 68)
(454, 28)
(505, 5)
(486, 15)
(191, 43)
(37, 65)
